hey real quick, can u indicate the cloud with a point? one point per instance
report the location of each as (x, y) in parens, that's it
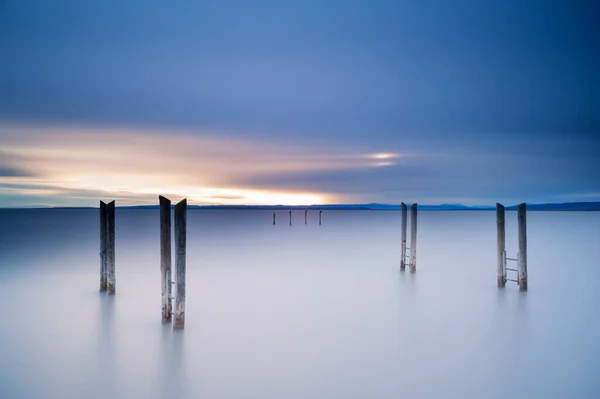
(83, 163)
(12, 166)
(226, 197)
(355, 180)
(8, 171)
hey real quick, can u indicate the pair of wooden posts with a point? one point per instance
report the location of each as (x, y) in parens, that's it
(107, 256)
(412, 258)
(522, 254)
(107, 247)
(180, 260)
(306, 217)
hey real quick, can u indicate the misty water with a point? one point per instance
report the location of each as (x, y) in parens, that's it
(301, 311)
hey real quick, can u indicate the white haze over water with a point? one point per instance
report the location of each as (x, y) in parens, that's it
(300, 312)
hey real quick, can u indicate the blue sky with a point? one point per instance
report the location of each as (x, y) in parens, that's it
(299, 101)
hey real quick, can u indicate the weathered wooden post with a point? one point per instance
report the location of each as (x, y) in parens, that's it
(165, 258)
(413, 238)
(290, 218)
(521, 216)
(103, 239)
(306, 216)
(320, 217)
(273, 218)
(110, 253)
(501, 245)
(404, 224)
(180, 252)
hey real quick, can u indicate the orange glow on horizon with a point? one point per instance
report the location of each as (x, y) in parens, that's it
(79, 166)
(239, 196)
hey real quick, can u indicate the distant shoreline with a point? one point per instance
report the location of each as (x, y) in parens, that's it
(563, 207)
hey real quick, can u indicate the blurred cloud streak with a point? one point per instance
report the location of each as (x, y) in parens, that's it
(85, 163)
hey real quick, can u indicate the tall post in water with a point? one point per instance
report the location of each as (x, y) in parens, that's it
(521, 216)
(413, 238)
(306, 216)
(165, 258)
(103, 241)
(273, 218)
(501, 241)
(110, 253)
(404, 224)
(180, 252)
(290, 218)
(320, 217)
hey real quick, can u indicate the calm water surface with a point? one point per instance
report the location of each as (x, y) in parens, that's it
(305, 311)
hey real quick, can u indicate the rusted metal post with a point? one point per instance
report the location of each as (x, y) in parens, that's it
(404, 224)
(306, 216)
(110, 253)
(413, 238)
(180, 252)
(103, 239)
(521, 216)
(165, 259)
(501, 242)
(320, 217)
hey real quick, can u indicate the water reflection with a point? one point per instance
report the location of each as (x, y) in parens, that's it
(180, 381)
(171, 370)
(107, 347)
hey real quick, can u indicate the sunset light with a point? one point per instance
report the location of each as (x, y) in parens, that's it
(384, 155)
(83, 165)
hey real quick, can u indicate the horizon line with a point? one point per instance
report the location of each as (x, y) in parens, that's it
(307, 206)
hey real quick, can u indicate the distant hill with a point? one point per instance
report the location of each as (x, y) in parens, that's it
(571, 206)
(568, 206)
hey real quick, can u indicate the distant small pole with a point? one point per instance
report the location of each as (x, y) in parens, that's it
(165, 258)
(290, 218)
(306, 216)
(273, 218)
(180, 254)
(320, 217)
(110, 253)
(521, 216)
(103, 240)
(501, 241)
(404, 224)
(413, 238)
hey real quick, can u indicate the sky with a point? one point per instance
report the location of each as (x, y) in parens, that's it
(299, 102)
